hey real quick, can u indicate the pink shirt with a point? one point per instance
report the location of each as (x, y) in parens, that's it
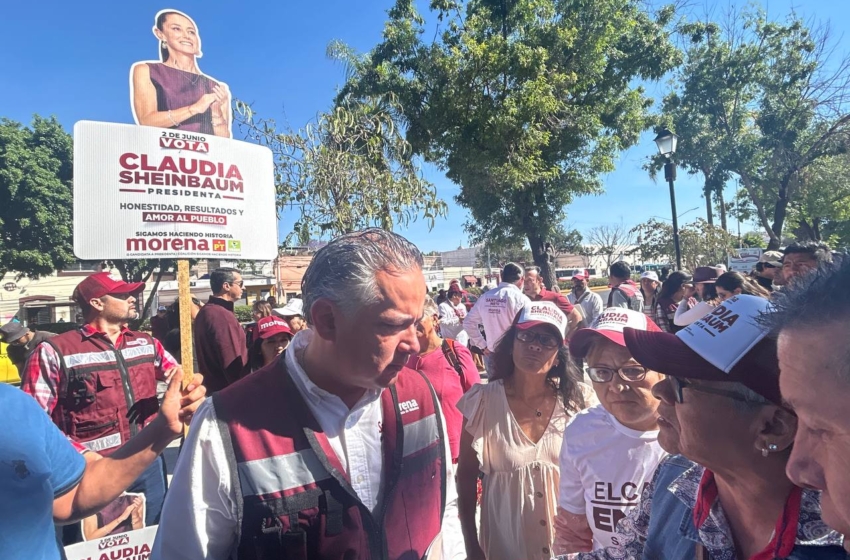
(448, 386)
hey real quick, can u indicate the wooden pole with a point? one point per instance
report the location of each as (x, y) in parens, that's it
(184, 297)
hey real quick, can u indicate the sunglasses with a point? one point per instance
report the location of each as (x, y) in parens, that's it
(679, 384)
(606, 374)
(545, 340)
(241, 283)
(124, 297)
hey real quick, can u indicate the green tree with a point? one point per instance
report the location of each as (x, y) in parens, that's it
(821, 212)
(610, 241)
(523, 104)
(760, 100)
(701, 244)
(350, 169)
(36, 191)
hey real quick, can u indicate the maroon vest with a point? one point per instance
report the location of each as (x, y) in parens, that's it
(104, 396)
(296, 499)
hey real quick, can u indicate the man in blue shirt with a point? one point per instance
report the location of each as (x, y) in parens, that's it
(44, 479)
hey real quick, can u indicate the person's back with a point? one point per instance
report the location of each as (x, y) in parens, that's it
(496, 310)
(219, 339)
(624, 291)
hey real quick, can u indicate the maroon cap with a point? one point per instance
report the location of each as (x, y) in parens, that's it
(583, 275)
(707, 274)
(267, 327)
(666, 353)
(101, 284)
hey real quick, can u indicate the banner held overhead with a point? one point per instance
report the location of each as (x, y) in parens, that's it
(145, 192)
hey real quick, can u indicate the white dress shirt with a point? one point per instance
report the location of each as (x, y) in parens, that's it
(495, 311)
(199, 515)
(451, 322)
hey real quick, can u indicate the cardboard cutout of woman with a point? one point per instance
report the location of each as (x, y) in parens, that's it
(173, 93)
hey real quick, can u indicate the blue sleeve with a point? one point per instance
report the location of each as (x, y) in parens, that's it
(66, 463)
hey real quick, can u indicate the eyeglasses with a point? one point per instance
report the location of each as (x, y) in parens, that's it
(678, 384)
(240, 283)
(124, 297)
(546, 340)
(606, 374)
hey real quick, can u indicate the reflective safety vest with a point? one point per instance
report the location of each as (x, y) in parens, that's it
(632, 293)
(106, 394)
(296, 499)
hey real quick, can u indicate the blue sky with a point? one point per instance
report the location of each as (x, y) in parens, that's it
(72, 60)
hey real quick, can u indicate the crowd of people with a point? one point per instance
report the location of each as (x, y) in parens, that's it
(693, 415)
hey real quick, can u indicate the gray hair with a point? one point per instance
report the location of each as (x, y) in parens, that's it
(430, 307)
(343, 271)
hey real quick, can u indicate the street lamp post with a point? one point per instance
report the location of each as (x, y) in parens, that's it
(666, 142)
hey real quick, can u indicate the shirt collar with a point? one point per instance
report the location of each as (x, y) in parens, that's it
(693, 486)
(294, 357)
(220, 302)
(89, 331)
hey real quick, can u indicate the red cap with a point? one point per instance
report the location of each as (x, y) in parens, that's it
(610, 324)
(583, 275)
(270, 326)
(101, 284)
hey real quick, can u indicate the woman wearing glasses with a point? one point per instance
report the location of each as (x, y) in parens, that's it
(512, 433)
(610, 450)
(723, 493)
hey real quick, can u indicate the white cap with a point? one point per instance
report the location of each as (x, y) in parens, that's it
(651, 275)
(728, 332)
(542, 312)
(610, 324)
(295, 306)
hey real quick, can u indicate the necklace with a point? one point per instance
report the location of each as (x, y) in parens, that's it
(193, 71)
(537, 411)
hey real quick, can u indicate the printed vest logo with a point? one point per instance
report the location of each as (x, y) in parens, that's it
(408, 406)
(139, 342)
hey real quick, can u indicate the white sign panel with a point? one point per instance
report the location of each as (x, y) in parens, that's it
(743, 260)
(145, 192)
(133, 545)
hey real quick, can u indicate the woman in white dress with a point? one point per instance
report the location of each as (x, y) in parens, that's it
(512, 433)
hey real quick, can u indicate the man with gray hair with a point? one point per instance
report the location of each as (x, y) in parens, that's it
(495, 311)
(812, 318)
(335, 451)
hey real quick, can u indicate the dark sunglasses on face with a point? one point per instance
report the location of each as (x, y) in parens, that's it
(545, 340)
(124, 297)
(678, 384)
(606, 374)
(240, 283)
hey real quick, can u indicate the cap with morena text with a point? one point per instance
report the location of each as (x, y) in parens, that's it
(267, 327)
(536, 313)
(727, 344)
(610, 324)
(102, 284)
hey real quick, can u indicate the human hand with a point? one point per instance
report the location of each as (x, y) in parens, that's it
(202, 104)
(178, 405)
(137, 512)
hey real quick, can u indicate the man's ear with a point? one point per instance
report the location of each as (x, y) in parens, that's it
(97, 303)
(324, 315)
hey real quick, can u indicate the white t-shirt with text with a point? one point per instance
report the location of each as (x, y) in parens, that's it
(604, 468)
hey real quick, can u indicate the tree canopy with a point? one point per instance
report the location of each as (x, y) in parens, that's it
(763, 101)
(35, 189)
(701, 244)
(523, 104)
(349, 169)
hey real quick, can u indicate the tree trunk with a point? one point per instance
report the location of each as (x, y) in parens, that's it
(541, 259)
(779, 212)
(709, 215)
(722, 203)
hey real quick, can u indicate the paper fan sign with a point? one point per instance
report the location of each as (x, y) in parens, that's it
(172, 92)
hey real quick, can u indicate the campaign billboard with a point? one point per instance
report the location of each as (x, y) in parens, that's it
(743, 260)
(146, 192)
